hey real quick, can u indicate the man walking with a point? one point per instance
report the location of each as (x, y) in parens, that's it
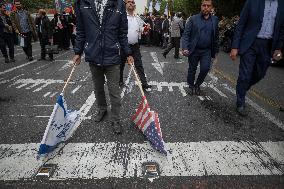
(44, 33)
(257, 39)
(102, 35)
(7, 39)
(176, 28)
(135, 28)
(24, 26)
(200, 43)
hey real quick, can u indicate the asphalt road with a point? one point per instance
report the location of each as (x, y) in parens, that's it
(209, 145)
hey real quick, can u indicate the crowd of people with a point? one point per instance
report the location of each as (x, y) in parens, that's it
(21, 28)
(109, 33)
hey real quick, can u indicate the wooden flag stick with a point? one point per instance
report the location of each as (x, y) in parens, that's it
(69, 78)
(138, 80)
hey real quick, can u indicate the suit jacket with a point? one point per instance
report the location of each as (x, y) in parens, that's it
(45, 26)
(16, 24)
(191, 34)
(250, 24)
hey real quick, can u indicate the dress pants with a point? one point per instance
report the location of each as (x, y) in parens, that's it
(175, 43)
(204, 57)
(253, 66)
(112, 75)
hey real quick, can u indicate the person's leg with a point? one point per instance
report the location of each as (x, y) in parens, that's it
(99, 81)
(112, 75)
(193, 60)
(246, 67)
(205, 65)
(29, 46)
(263, 60)
(4, 50)
(167, 50)
(139, 66)
(177, 45)
(10, 44)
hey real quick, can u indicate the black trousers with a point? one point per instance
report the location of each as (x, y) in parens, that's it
(43, 42)
(28, 44)
(175, 43)
(7, 40)
(137, 63)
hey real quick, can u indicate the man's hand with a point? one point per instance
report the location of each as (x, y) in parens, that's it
(77, 59)
(234, 53)
(185, 52)
(277, 55)
(130, 60)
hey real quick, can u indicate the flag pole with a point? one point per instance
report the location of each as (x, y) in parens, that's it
(69, 78)
(138, 80)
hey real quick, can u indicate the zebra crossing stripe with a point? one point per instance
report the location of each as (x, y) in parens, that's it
(113, 159)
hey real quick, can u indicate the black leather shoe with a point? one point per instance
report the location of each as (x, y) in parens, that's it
(31, 58)
(116, 126)
(41, 59)
(190, 91)
(242, 111)
(121, 84)
(146, 87)
(7, 60)
(100, 115)
(197, 90)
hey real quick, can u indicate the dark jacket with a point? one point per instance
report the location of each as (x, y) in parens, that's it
(2, 26)
(101, 43)
(250, 24)
(192, 33)
(16, 23)
(45, 26)
(166, 26)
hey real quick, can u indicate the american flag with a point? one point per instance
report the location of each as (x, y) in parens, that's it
(148, 122)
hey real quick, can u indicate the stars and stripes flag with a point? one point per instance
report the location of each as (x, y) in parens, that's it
(148, 122)
(61, 125)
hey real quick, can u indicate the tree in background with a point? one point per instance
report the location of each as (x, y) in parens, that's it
(226, 8)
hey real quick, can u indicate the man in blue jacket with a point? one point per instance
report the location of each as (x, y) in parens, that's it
(257, 39)
(200, 43)
(102, 35)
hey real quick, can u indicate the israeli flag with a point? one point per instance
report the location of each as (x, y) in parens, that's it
(166, 10)
(150, 7)
(158, 6)
(61, 125)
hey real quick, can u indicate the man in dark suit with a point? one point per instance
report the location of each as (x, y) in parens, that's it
(257, 39)
(44, 33)
(200, 44)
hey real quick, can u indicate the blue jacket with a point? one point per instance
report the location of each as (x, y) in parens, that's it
(250, 24)
(101, 43)
(191, 34)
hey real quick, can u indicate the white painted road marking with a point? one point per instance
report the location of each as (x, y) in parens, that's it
(104, 160)
(158, 65)
(23, 65)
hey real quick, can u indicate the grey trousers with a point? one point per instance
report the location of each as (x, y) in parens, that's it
(112, 75)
